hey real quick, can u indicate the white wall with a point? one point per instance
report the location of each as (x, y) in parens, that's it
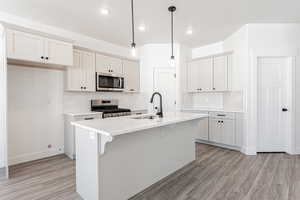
(184, 99)
(254, 40)
(272, 40)
(35, 107)
(3, 132)
(207, 50)
(152, 56)
(238, 43)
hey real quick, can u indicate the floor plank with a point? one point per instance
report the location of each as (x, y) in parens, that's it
(217, 174)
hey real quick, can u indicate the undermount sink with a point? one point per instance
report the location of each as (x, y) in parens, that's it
(146, 117)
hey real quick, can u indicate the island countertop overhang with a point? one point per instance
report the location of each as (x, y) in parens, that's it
(112, 127)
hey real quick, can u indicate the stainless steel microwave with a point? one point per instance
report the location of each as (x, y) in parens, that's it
(109, 82)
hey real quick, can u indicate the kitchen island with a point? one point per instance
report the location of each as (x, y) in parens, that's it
(120, 157)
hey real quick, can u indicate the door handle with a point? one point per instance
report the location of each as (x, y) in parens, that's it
(285, 109)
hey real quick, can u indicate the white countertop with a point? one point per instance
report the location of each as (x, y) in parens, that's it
(121, 125)
(78, 114)
(211, 110)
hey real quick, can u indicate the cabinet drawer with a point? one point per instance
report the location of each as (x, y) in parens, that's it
(222, 115)
(88, 117)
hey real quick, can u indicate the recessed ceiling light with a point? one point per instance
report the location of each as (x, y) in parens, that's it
(189, 31)
(142, 28)
(104, 11)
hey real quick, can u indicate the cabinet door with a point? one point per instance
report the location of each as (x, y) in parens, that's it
(24, 46)
(88, 71)
(205, 74)
(220, 73)
(116, 66)
(193, 76)
(74, 74)
(102, 63)
(215, 131)
(203, 130)
(58, 52)
(131, 76)
(228, 132)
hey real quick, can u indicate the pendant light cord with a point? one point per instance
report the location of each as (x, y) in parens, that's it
(132, 24)
(172, 34)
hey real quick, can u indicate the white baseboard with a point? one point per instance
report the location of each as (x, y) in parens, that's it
(2, 173)
(219, 145)
(250, 151)
(34, 156)
(297, 151)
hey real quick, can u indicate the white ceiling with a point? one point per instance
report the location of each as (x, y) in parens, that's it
(212, 20)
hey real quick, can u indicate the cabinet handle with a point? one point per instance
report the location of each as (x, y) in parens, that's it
(47, 58)
(89, 118)
(221, 115)
(214, 88)
(42, 57)
(131, 89)
(84, 88)
(81, 87)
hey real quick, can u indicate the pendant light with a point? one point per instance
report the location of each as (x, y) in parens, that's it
(133, 45)
(172, 9)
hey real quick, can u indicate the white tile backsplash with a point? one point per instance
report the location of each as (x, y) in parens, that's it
(80, 102)
(208, 100)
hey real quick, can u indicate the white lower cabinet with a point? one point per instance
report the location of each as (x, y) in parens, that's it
(223, 128)
(215, 130)
(228, 132)
(203, 131)
(69, 131)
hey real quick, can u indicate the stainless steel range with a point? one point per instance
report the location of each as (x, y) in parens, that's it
(109, 108)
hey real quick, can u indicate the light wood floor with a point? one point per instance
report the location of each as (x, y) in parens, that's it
(216, 174)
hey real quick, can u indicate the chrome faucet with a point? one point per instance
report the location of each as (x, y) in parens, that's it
(160, 111)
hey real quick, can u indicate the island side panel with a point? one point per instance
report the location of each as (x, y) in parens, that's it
(87, 164)
(134, 161)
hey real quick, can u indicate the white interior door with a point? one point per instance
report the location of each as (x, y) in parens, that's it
(274, 96)
(165, 83)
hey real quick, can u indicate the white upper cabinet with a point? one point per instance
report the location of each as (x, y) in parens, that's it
(24, 46)
(74, 79)
(110, 65)
(88, 67)
(193, 78)
(200, 75)
(81, 77)
(210, 74)
(131, 76)
(205, 74)
(32, 48)
(220, 69)
(58, 53)
(116, 66)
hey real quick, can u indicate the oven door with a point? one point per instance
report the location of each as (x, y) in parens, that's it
(109, 83)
